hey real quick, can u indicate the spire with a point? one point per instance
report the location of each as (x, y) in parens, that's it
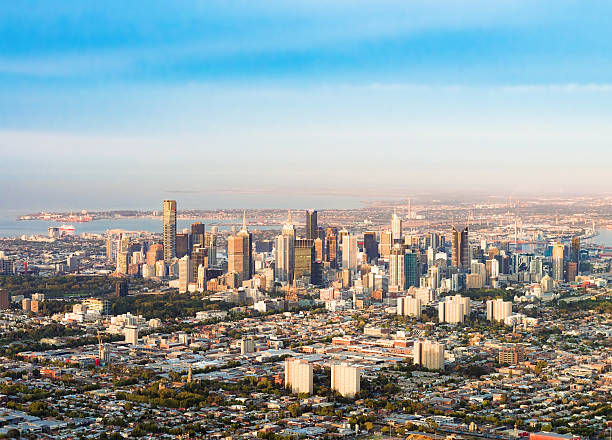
(244, 228)
(289, 216)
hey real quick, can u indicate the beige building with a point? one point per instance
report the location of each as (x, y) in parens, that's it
(298, 376)
(131, 334)
(409, 306)
(454, 309)
(169, 230)
(498, 309)
(345, 379)
(429, 354)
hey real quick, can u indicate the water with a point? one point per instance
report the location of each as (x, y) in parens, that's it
(15, 228)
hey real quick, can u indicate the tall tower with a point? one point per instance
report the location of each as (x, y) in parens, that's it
(461, 250)
(240, 253)
(285, 255)
(558, 252)
(396, 227)
(312, 230)
(169, 230)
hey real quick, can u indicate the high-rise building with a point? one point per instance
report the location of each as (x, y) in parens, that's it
(155, 253)
(498, 309)
(185, 273)
(331, 247)
(111, 249)
(5, 302)
(182, 243)
(210, 243)
(285, 252)
(370, 246)
(303, 252)
(461, 251)
(199, 257)
(240, 253)
(197, 234)
(318, 249)
(409, 306)
(169, 230)
(511, 355)
(385, 244)
(454, 309)
(571, 271)
(346, 380)
(558, 252)
(397, 275)
(411, 269)
(349, 252)
(131, 334)
(123, 262)
(312, 231)
(576, 250)
(298, 376)
(429, 354)
(396, 228)
(247, 345)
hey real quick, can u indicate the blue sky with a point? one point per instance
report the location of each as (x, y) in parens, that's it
(303, 103)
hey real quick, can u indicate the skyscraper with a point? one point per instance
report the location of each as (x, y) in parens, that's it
(576, 250)
(370, 246)
(349, 252)
(181, 244)
(197, 234)
(303, 258)
(331, 247)
(385, 244)
(396, 227)
(312, 231)
(240, 253)
(397, 277)
(461, 251)
(285, 254)
(169, 230)
(558, 252)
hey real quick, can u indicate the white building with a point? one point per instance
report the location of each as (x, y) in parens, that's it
(131, 334)
(247, 345)
(429, 354)
(185, 273)
(345, 379)
(349, 252)
(298, 376)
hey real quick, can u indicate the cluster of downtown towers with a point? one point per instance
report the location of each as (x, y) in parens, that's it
(302, 259)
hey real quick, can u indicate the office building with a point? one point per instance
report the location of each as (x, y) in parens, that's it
(185, 273)
(346, 380)
(298, 376)
(303, 252)
(575, 257)
(285, 255)
(429, 354)
(349, 252)
(370, 246)
(498, 309)
(123, 262)
(210, 243)
(558, 262)
(198, 230)
(240, 253)
(454, 309)
(460, 248)
(396, 228)
(199, 257)
(397, 271)
(312, 230)
(331, 247)
(5, 302)
(385, 244)
(182, 243)
(155, 253)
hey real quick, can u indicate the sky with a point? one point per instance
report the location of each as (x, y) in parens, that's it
(291, 104)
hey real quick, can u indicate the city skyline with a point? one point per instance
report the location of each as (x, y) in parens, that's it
(387, 98)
